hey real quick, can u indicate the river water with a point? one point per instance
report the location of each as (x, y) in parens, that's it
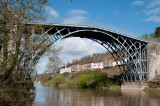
(50, 96)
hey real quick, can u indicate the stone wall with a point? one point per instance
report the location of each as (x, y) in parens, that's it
(154, 60)
(134, 85)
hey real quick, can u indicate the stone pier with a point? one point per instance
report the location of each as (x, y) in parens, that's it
(153, 60)
(134, 86)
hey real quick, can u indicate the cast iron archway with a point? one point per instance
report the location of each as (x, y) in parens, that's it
(129, 52)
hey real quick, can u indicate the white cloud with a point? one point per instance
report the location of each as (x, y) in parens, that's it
(52, 12)
(153, 3)
(78, 12)
(75, 20)
(78, 47)
(153, 18)
(154, 15)
(151, 10)
(138, 3)
(155, 11)
(76, 17)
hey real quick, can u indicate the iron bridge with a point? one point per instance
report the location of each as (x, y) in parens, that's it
(129, 52)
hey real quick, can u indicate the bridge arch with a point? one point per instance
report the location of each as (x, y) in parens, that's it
(127, 51)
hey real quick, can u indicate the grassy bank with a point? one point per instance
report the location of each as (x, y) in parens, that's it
(84, 79)
(16, 94)
(154, 86)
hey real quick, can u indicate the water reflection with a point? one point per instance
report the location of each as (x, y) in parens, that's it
(49, 96)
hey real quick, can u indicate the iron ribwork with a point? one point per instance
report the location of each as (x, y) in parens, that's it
(129, 53)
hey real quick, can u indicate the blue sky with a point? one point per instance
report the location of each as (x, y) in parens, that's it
(140, 16)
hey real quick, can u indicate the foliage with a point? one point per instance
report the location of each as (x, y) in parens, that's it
(17, 45)
(114, 86)
(155, 84)
(70, 82)
(92, 79)
(15, 36)
(15, 97)
(148, 89)
(157, 32)
(58, 80)
(153, 36)
(83, 79)
(65, 74)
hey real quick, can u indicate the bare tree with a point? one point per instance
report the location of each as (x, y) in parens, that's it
(54, 61)
(15, 37)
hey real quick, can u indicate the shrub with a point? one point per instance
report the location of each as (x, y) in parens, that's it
(82, 81)
(58, 80)
(148, 89)
(114, 86)
(92, 79)
(65, 74)
(70, 82)
(45, 80)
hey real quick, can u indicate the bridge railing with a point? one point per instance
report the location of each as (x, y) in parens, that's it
(94, 23)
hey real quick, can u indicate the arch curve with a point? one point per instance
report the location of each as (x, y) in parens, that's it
(127, 51)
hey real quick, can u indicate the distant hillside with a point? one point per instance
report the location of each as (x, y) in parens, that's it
(96, 57)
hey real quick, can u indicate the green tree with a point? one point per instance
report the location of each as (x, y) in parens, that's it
(157, 32)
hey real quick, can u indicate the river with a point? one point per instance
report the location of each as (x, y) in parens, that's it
(51, 96)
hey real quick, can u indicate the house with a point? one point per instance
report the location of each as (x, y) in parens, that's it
(96, 65)
(119, 62)
(87, 66)
(65, 68)
(108, 62)
(90, 64)
(74, 65)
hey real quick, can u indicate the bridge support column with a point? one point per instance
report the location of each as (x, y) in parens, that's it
(153, 60)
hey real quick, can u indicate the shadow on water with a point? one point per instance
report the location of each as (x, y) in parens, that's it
(50, 96)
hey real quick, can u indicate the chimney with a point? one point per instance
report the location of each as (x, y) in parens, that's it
(73, 61)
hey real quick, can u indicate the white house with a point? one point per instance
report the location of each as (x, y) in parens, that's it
(97, 65)
(65, 69)
(119, 62)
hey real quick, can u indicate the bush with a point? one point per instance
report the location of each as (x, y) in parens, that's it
(70, 82)
(58, 80)
(82, 81)
(65, 74)
(149, 89)
(16, 94)
(92, 79)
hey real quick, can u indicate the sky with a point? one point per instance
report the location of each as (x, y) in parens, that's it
(140, 16)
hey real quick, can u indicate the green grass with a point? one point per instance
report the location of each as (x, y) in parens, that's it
(114, 86)
(148, 89)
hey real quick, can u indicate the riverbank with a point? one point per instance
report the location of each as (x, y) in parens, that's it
(17, 94)
(153, 86)
(85, 79)
(95, 79)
